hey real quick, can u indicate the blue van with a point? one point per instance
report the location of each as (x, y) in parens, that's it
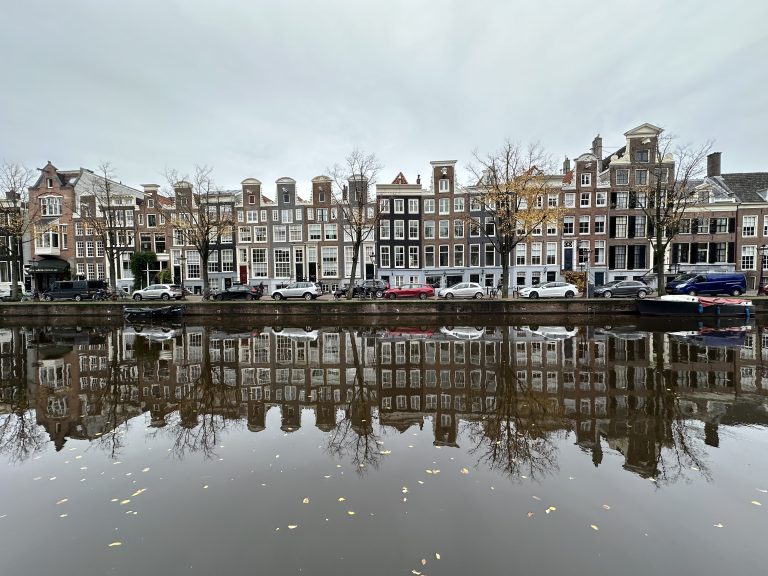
(733, 283)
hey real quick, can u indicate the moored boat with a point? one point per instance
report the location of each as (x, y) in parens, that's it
(682, 305)
(153, 311)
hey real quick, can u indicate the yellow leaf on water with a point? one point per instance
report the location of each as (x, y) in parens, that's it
(124, 502)
(762, 490)
(594, 527)
(465, 471)
(606, 506)
(292, 526)
(113, 544)
(205, 487)
(416, 572)
(350, 512)
(63, 515)
(524, 477)
(435, 471)
(78, 457)
(327, 476)
(405, 490)
(145, 470)
(421, 481)
(342, 499)
(530, 514)
(437, 555)
(423, 561)
(62, 501)
(139, 491)
(385, 452)
(756, 503)
(305, 501)
(718, 525)
(536, 498)
(428, 471)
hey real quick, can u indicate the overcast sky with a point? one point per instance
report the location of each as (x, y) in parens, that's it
(274, 88)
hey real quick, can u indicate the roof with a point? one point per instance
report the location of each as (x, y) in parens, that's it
(568, 177)
(747, 186)
(400, 179)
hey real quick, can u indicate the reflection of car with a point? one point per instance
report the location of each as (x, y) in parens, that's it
(550, 290)
(240, 292)
(623, 332)
(407, 332)
(462, 290)
(623, 288)
(422, 291)
(552, 332)
(158, 291)
(463, 332)
(306, 290)
(306, 334)
(152, 333)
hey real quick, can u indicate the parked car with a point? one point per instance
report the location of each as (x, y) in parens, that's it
(464, 332)
(368, 288)
(306, 290)
(158, 292)
(550, 290)
(733, 283)
(74, 290)
(421, 291)
(462, 290)
(239, 292)
(633, 288)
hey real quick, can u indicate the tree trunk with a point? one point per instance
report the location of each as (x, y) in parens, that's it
(355, 258)
(14, 254)
(659, 248)
(504, 276)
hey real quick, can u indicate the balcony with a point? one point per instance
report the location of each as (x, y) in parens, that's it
(47, 251)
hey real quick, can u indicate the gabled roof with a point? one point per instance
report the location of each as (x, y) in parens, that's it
(747, 186)
(568, 177)
(644, 130)
(400, 179)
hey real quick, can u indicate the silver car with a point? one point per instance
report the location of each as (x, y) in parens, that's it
(462, 290)
(306, 290)
(158, 291)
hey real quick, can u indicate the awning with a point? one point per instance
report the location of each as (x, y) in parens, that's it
(48, 266)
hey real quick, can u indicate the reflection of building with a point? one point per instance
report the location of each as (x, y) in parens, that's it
(617, 389)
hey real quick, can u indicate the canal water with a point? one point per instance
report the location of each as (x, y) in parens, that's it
(410, 449)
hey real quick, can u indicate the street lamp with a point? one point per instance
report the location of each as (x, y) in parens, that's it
(763, 249)
(586, 252)
(182, 260)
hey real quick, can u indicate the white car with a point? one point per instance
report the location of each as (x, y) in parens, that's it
(550, 290)
(158, 291)
(464, 332)
(462, 290)
(306, 290)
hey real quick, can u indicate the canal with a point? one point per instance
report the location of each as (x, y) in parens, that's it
(620, 446)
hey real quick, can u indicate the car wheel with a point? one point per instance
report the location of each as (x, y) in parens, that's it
(307, 296)
(449, 295)
(735, 292)
(533, 295)
(478, 295)
(277, 296)
(379, 293)
(78, 297)
(165, 297)
(691, 292)
(641, 294)
(391, 296)
(607, 294)
(422, 296)
(48, 298)
(249, 297)
(137, 297)
(569, 294)
(219, 297)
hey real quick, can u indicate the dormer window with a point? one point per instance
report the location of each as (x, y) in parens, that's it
(586, 179)
(320, 195)
(444, 185)
(286, 196)
(150, 202)
(642, 156)
(49, 182)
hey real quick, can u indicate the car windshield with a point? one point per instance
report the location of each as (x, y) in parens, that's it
(614, 283)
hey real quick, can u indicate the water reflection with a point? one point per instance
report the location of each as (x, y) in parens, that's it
(508, 393)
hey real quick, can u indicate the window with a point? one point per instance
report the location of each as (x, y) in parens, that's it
(79, 249)
(443, 228)
(551, 253)
(259, 233)
(151, 221)
(259, 262)
(749, 226)
(474, 255)
(622, 200)
(520, 254)
(748, 257)
(413, 206)
(275, 216)
(551, 228)
(429, 206)
(429, 230)
(89, 249)
(429, 256)
(193, 264)
(244, 234)
(599, 224)
(642, 155)
(444, 256)
(286, 216)
(330, 234)
(399, 230)
(322, 215)
(413, 229)
(622, 177)
(458, 255)
(213, 261)
(399, 206)
(298, 215)
(552, 200)
(641, 177)
(399, 256)
(444, 185)
(330, 262)
(445, 205)
(49, 182)
(583, 252)
(599, 252)
(458, 204)
(661, 174)
(601, 199)
(620, 261)
(703, 226)
(295, 233)
(721, 252)
(639, 227)
(568, 225)
(413, 256)
(490, 227)
(282, 263)
(50, 206)
(384, 256)
(583, 224)
(621, 226)
(279, 234)
(536, 253)
(586, 179)
(584, 199)
(570, 200)
(316, 231)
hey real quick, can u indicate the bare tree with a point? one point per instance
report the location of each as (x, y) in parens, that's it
(510, 186)
(669, 193)
(208, 215)
(102, 207)
(15, 215)
(360, 214)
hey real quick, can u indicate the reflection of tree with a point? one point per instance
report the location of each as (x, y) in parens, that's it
(517, 434)
(354, 437)
(207, 405)
(20, 435)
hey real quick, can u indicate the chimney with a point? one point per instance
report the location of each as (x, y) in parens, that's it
(418, 178)
(597, 151)
(566, 165)
(344, 192)
(713, 164)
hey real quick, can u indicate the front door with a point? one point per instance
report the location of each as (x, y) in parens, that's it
(243, 274)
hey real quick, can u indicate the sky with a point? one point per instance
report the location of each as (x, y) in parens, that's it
(266, 89)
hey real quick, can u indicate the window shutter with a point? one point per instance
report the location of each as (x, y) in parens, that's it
(731, 224)
(631, 257)
(612, 257)
(631, 227)
(650, 226)
(731, 251)
(632, 200)
(712, 225)
(684, 252)
(612, 227)
(613, 199)
(694, 252)
(640, 252)
(712, 252)
(675, 253)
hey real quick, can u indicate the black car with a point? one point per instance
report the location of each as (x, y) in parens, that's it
(366, 289)
(631, 288)
(240, 292)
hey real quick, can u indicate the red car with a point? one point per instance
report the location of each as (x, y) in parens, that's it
(421, 291)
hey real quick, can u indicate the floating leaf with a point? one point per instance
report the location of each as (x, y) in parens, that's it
(416, 572)
(385, 452)
(124, 502)
(305, 501)
(464, 471)
(342, 499)
(594, 527)
(421, 481)
(327, 476)
(145, 470)
(423, 561)
(530, 514)
(63, 515)
(718, 525)
(139, 491)
(428, 471)
(405, 490)
(524, 477)
(536, 498)
(762, 490)
(351, 512)
(437, 555)
(292, 526)
(606, 507)
(756, 503)
(205, 487)
(113, 544)
(62, 501)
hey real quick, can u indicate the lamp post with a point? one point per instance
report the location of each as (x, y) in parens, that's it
(763, 249)
(182, 260)
(586, 252)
